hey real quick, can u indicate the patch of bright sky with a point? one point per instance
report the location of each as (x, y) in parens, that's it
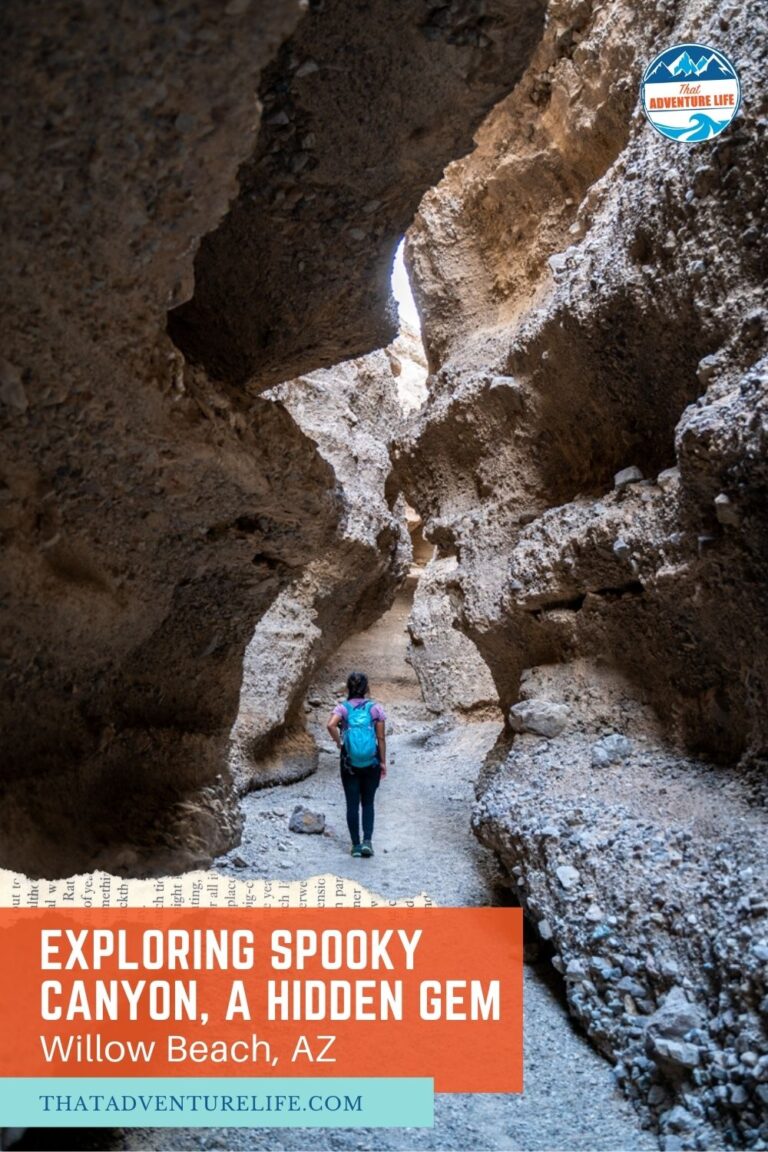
(401, 290)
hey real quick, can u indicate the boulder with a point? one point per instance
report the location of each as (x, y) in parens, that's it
(568, 876)
(675, 1054)
(303, 820)
(452, 674)
(542, 717)
(676, 1016)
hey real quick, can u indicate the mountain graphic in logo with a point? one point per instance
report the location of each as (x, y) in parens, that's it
(683, 66)
(714, 68)
(690, 92)
(707, 66)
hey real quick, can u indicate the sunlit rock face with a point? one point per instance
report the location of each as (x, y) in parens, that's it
(452, 674)
(351, 412)
(626, 329)
(593, 451)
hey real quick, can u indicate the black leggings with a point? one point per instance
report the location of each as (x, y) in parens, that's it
(360, 789)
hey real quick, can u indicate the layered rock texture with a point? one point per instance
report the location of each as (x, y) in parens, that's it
(363, 107)
(147, 519)
(153, 509)
(593, 453)
(351, 412)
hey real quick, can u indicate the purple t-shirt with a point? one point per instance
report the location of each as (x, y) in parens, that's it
(377, 712)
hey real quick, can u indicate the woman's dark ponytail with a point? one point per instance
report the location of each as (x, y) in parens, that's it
(357, 685)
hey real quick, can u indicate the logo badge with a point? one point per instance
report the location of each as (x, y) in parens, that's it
(691, 92)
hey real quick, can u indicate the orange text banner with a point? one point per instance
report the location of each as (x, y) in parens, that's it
(433, 992)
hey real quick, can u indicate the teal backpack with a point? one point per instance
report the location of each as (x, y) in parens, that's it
(360, 735)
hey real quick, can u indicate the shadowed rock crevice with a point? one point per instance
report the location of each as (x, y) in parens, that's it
(363, 108)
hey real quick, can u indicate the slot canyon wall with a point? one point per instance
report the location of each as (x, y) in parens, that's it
(452, 674)
(593, 454)
(154, 506)
(137, 499)
(352, 412)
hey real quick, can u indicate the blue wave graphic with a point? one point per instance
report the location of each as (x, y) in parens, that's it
(700, 127)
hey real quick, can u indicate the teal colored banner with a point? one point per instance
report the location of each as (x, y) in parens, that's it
(200, 1102)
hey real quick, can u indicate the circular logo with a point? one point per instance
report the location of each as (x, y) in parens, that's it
(690, 92)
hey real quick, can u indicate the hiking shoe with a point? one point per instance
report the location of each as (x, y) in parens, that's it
(357, 850)
(367, 848)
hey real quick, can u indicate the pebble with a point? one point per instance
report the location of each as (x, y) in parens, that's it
(307, 68)
(706, 369)
(678, 1119)
(676, 1015)
(668, 477)
(610, 750)
(726, 511)
(568, 876)
(626, 476)
(676, 1053)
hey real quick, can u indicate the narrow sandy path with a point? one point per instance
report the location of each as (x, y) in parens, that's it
(423, 842)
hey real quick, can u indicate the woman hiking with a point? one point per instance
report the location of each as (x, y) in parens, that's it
(357, 727)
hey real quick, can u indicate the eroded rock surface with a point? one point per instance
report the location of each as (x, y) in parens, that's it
(639, 347)
(452, 675)
(645, 873)
(362, 110)
(351, 412)
(593, 451)
(147, 519)
(151, 516)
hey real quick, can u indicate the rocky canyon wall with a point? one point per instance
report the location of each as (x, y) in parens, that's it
(352, 412)
(153, 507)
(593, 453)
(201, 206)
(452, 675)
(619, 336)
(137, 500)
